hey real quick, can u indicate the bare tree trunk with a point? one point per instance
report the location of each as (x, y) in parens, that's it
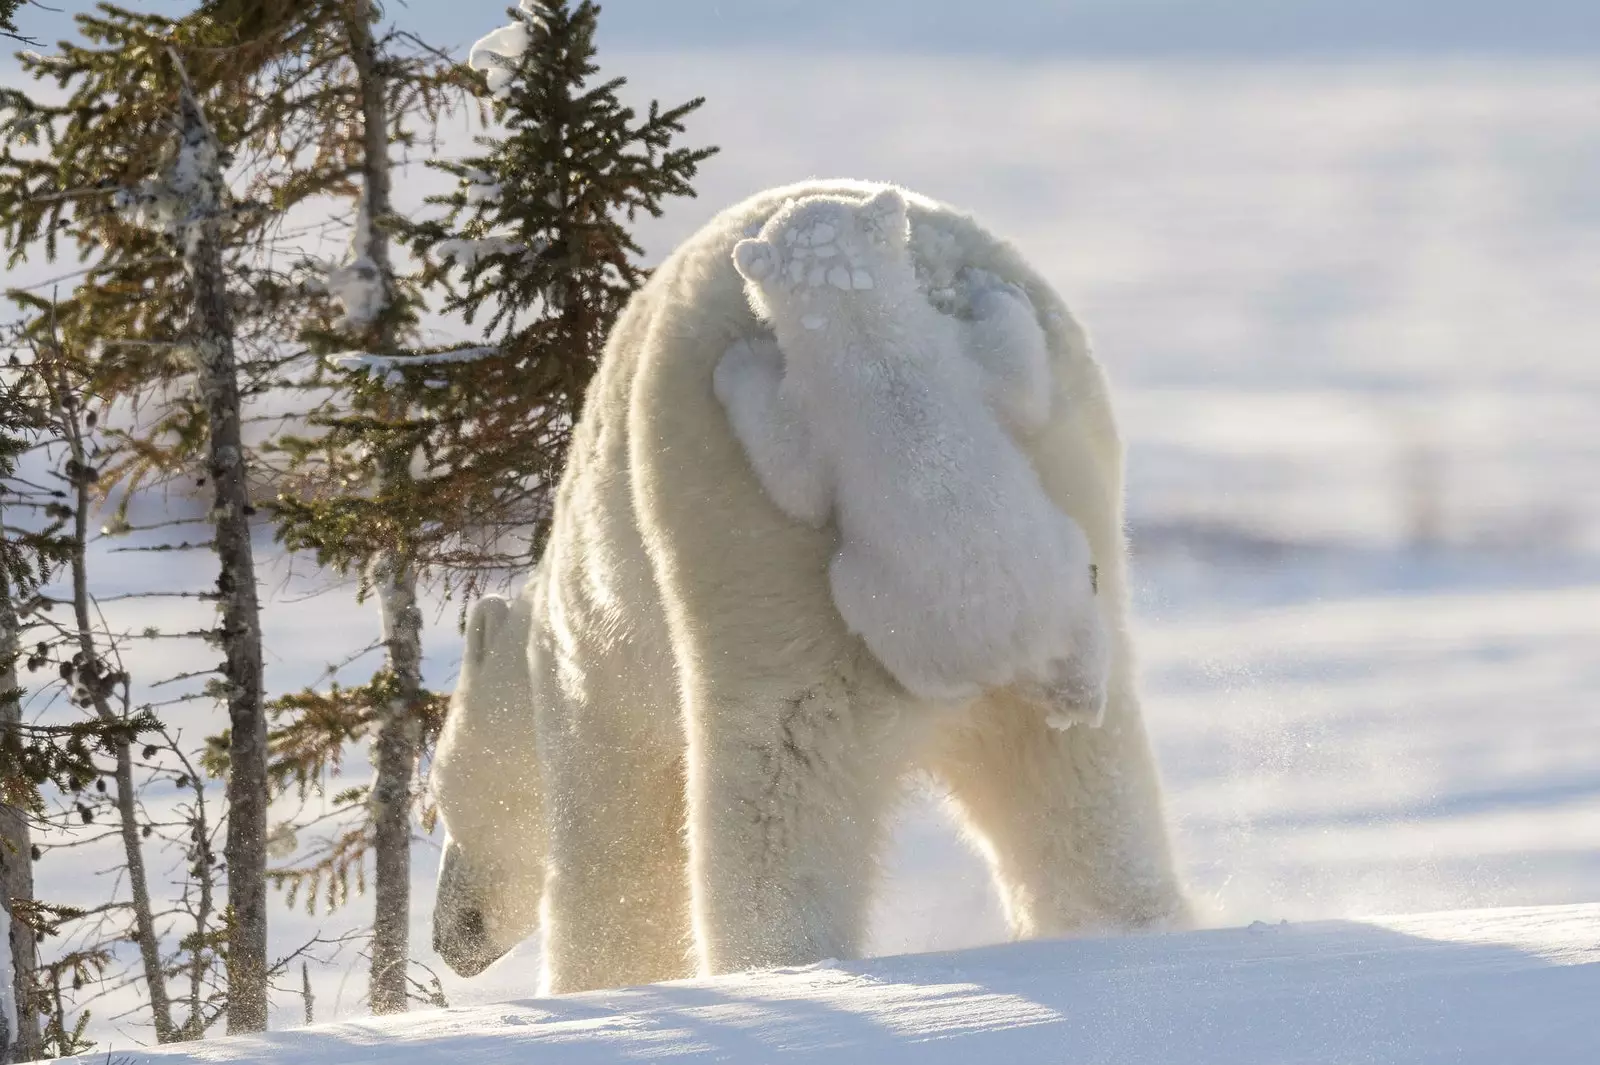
(396, 747)
(398, 741)
(246, 847)
(92, 679)
(20, 1041)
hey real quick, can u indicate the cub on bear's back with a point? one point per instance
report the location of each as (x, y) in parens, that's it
(872, 406)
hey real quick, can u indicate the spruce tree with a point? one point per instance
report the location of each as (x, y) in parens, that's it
(534, 243)
(8, 18)
(373, 93)
(450, 455)
(26, 559)
(93, 735)
(131, 171)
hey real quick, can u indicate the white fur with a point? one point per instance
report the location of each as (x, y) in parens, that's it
(953, 565)
(719, 755)
(490, 789)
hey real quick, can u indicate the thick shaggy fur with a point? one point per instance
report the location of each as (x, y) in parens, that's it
(953, 565)
(718, 755)
(496, 834)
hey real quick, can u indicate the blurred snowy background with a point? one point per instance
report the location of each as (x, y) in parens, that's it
(1342, 263)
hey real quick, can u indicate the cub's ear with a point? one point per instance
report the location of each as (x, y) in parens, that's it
(886, 213)
(755, 259)
(484, 624)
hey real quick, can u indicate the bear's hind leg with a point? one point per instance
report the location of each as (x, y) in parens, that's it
(1071, 820)
(788, 792)
(616, 906)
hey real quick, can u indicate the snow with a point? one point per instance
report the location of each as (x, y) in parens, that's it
(1304, 280)
(498, 53)
(389, 366)
(482, 187)
(357, 284)
(466, 252)
(1457, 988)
(181, 196)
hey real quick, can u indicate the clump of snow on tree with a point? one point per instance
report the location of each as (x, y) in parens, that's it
(482, 187)
(465, 252)
(182, 195)
(357, 285)
(499, 53)
(388, 367)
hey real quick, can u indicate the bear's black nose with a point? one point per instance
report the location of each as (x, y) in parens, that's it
(463, 942)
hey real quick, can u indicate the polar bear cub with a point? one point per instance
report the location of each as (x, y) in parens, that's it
(870, 407)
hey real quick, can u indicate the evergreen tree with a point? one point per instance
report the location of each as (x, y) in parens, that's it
(303, 94)
(442, 462)
(79, 756)
(26, 558)
(8, 18)
(132, 172)
(534, 242)
(373, 92)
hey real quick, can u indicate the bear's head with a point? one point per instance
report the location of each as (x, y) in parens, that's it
(822, 249)
(485, 776)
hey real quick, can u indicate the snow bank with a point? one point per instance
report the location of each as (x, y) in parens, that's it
(1466, 988)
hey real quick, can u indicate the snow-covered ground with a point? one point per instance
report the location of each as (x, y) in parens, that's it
(1352, 314)
(1466, 988)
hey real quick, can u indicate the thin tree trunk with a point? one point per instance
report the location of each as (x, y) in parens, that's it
(21, 1040)
(92, 673)
(246, 847)
(398, 741)
(395, 757)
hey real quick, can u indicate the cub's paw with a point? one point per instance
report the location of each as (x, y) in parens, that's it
(991, 296)
(1074, 687)
(746, 370)
(1069, 696)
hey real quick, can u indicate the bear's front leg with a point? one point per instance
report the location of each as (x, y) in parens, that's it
(748, 381)
(616, 907)
(1005, 339)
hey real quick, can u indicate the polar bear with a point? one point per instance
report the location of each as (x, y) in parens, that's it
(718, 756)
(871, 408)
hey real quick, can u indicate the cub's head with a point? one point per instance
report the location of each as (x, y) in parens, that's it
(819, 250)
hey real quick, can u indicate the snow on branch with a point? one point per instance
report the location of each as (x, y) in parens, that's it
(465, 253)
(388, 367)
(357, 285)
(188, 191)
(482, 187)
(499, 53)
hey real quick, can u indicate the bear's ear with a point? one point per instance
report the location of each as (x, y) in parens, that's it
(886, 213)
(484, 623)
(755, 259)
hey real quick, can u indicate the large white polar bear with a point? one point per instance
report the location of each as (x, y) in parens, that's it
(717, 756)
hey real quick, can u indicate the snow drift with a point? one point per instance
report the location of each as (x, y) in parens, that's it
(1463, 988)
